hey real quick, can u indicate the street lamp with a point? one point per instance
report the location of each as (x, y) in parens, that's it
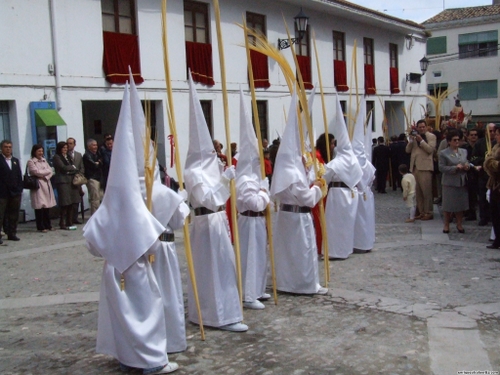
(424, 64)
(415, 77)
(300, 21)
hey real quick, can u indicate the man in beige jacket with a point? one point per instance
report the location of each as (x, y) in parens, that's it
(421, 147)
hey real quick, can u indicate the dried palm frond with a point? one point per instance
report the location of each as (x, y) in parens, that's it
(437, 101)
(149, 157)
(263, 46)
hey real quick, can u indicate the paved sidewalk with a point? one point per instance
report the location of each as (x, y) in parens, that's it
(422, 302)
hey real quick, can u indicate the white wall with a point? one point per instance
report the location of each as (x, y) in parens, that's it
(25, 33)
(464, 70)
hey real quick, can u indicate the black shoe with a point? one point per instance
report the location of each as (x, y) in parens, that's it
(461, 230)
(493, 246)
(13, 238)
(1, 241)
(482, 223)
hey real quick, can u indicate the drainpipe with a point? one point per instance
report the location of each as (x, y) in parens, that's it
(55, 54)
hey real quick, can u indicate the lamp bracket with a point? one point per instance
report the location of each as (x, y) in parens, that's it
(285, 43)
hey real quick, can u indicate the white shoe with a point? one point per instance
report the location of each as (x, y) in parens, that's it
(254, 305)
(264, 297)
(170, 367)
(235, 327)
(322, 291)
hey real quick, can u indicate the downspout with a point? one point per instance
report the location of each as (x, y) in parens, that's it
(55, 54)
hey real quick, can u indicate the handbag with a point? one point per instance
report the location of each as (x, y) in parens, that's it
(79, 179)
(30, 182)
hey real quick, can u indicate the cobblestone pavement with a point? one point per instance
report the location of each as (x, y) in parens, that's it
(420, 303)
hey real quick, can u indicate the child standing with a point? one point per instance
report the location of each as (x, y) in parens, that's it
(408, 184)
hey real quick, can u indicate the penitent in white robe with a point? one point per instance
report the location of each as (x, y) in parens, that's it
(170, 210)
(213, 259)
(253, 240)
(364, 226)
(131, 322)
(340, 213)
(296, 256)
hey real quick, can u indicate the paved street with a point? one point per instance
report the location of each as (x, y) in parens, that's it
(422, 302)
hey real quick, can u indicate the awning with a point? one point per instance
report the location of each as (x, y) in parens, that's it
(48, 117)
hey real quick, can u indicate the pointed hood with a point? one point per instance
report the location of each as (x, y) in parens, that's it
(248, 167)
(163, 209)
(368, 141)
(310, 103)
(138, 126)
(345, 164)
(202, 166)
(358, 145)
(288, 165)
(123, 229)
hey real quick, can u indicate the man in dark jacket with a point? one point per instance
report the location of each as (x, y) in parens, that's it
(380, 160)
(478, 156)
(11, 190)
(92, 161)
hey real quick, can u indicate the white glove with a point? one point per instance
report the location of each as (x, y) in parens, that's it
(488, 195)
(264, 184)
(229, 173)
(183, 194)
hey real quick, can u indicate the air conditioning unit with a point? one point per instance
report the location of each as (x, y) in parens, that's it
(413, 77)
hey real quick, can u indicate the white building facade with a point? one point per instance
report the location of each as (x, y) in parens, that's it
(56, 50)
(464, 58)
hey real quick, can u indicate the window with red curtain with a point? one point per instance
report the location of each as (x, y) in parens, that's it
(302, 49)
(370, 88)
(120, 52)
(305, 70)
(340, 75)
(393, 69)
(198, 47)
(339, 63)
(199, 61)
(121, 44)
(394, 80)
(260, 69)
(369, 58)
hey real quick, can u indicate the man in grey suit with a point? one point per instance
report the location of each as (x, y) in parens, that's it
(78, 163)
(422, 146)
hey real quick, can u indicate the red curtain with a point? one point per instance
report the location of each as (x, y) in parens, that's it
(394, 78)
(305, 70)
(199, 60)
(340, 75)
(370, 80)
(260, 69)
(120, 52)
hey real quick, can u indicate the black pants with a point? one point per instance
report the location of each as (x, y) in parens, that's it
(381, 176)
(484, 207)
(9, 209)
(495, 218)
(66, 216)
(42, 219)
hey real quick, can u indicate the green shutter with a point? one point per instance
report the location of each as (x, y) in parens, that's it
(467, 90)
(482, 37)
(487, 89)
(436, 45)
(478, 90)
